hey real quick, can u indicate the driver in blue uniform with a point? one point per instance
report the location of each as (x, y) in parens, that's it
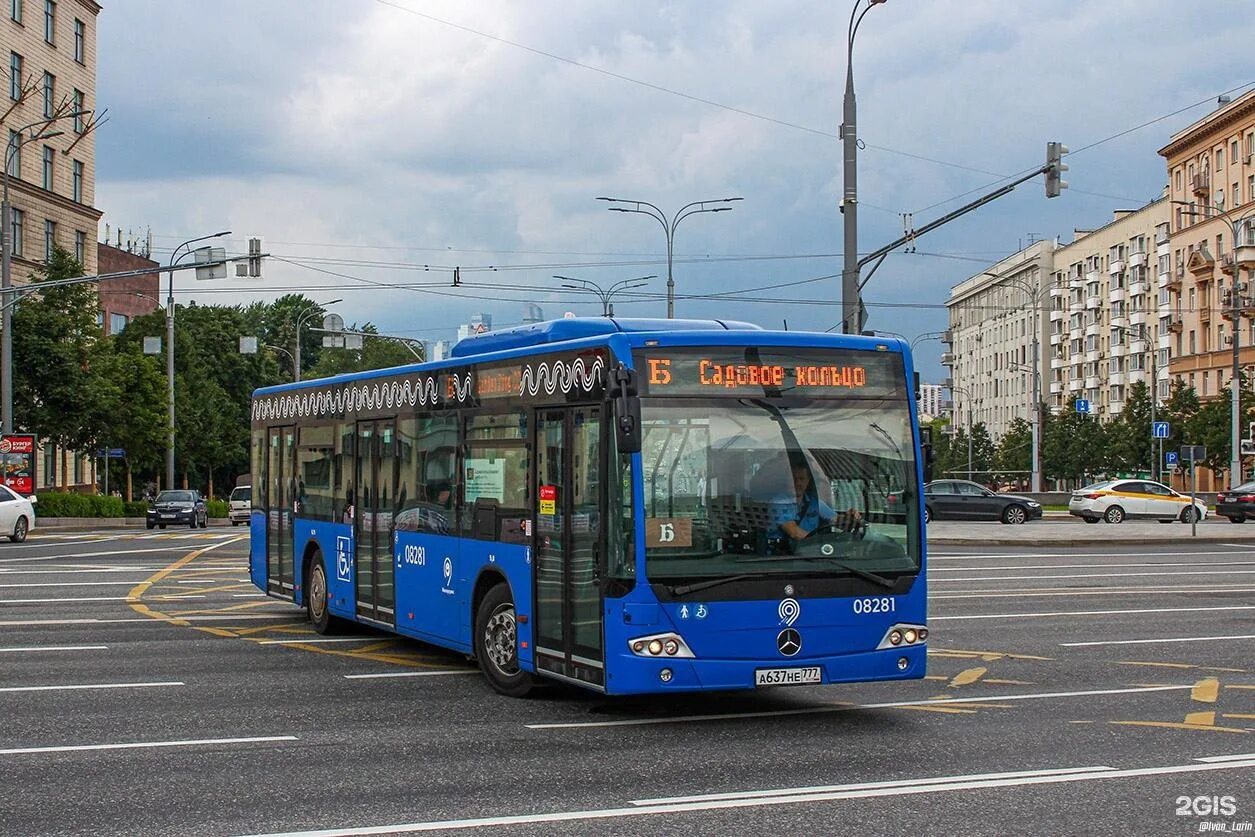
(813, 512)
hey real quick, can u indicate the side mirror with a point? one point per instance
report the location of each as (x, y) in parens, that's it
(627, 409)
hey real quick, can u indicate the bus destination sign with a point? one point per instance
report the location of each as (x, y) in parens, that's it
(774, 371)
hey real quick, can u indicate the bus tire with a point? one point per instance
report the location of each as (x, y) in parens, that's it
(497, 645)
(318, 599)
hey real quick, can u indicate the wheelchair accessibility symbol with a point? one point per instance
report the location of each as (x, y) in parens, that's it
(344, 559)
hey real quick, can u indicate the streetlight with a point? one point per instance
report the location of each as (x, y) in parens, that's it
(300, 321)
(1237, 226)
(967, 394)
(669, 225)
(174, 260)
(851, 303)
(605, 294)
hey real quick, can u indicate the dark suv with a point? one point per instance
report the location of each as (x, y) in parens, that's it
(178, 506)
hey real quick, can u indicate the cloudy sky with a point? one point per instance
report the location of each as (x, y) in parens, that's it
(381, 143)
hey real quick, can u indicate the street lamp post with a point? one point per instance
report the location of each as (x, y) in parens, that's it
(300, 321)
(669, 225)
(968, 426)
(851, 304)
(174, 260)
(1033, 407)
(605, 294)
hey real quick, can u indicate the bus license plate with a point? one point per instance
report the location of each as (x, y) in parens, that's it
(787, 676)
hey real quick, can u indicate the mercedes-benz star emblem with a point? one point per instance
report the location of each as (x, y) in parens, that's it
(789, 641)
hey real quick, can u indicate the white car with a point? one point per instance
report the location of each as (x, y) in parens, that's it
(17, 514)
(240, 504)
(1117, 500)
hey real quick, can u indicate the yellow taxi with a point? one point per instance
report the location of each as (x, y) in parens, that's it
(1117, 500)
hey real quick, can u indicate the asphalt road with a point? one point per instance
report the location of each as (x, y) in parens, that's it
(146, 687)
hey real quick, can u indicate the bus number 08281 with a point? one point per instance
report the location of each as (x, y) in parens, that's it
(880, 604)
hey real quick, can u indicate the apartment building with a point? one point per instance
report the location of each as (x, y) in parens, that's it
(1104, 331)
(931, 399)
(996, 333)
(51, 58)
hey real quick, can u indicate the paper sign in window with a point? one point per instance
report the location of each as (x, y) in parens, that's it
(668, 531)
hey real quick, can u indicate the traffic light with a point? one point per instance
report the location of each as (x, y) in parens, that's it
(254, 257)
(1054, 168)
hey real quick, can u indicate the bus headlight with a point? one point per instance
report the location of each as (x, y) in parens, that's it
(660, 645)
(901, 636)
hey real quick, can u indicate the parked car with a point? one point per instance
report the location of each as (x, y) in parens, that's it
(240, 504)
(1117, 500)
(966, 500)
(17, 514)
(1237, 504)
(178, 506)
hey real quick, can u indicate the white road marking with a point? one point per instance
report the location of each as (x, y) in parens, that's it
(94, 554)
(893, 783)
(55, 648)
(78, 570)
(1234, 757)
(1085, 575)
(237, 617)
(1201, 609)
(123, 582)
(853, 707)
(955, 556)
(937, 785)
(101, 599)
(1154, 641)
(91, 686)
(411, 674)
(1040, 592)
(191, 742)
(932, 570)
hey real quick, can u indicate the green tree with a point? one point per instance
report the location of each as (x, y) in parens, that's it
(1074, 446)
(1210, 425)
(376, 353)
(983, 450)
(1014, 453)
(129, 405)
(1130, 445)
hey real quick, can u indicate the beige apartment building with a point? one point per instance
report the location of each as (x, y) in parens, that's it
(993, 355)
(1107, 297)
(49, 50)
(1211, 184)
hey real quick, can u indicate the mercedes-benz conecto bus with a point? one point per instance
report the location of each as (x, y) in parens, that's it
(632, 506)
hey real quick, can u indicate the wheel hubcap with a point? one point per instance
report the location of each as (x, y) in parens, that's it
(501, 640)
(1017, 516)
(317, 594)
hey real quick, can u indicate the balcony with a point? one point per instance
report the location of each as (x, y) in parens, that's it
(1056, 339)
(1091, 276)
(1056, 316)
(1137, 346)
(1175, 278)
(1137, 318)
(1200, 185)
(1056, 387)
(1092, 355)
(1245, 254)
(1119, 321)
(1116, 379)
(1093, 329)
(1116, 295)
(1117, 351)
(1137, 259)
(1174, 324)
(1204, 311)
(1226, 264)
(1076, 385)
(1092, 302)
(1136, 376)
(947, 336)
(1093, 382)
(1200, 262)
(1058, 362)
(1161, 235)
(1116, 266)
(947, 358)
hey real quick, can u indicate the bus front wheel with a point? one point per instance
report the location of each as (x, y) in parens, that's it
(317, 599)
(497, 643)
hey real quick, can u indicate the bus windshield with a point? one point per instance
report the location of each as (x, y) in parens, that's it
(789, 486)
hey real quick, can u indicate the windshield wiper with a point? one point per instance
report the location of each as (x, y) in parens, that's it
(886, 583)
(685, 589)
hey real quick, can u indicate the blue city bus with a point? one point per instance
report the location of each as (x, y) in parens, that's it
(632, 506)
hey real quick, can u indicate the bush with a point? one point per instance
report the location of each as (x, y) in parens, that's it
(135, 508)
(69, 504)
(218, 508)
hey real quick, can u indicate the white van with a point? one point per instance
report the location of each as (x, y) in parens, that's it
(240, 504)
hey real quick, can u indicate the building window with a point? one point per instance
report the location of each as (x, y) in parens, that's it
(117, 322)
(1237, 195)
(1219, 155)
(50, 21)
(15, 154)
(15, 77)
(50, 239)
(79, 107)
(50, 94)
(80, 41)
(80, 246)
(16, 216)
(15, 10)
(77, 191)
(1233, 152)
(49, 159)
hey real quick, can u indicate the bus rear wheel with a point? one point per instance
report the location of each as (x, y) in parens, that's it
(497, 644)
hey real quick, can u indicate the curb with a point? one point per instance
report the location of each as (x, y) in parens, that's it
(70, 523)
(1176, 540)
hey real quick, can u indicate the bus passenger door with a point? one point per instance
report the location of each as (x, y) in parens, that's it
(280, 497)
(569, 640)
(374, 485)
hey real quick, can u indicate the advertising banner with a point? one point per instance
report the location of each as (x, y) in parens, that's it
(17, 457)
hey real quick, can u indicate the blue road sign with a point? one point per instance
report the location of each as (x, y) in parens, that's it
(1082, 405)
(111, 453)
(1170, 458)
(1159, 430)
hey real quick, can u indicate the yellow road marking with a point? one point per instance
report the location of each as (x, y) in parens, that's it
(987, 656)
(968, 676)
(998, 682)
(1206, 690)
(1242, 715)
(949, 710)
(1179, 665)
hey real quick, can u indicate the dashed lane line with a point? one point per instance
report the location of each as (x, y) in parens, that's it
(1041, 615)
(1086, 575)
(137, 745)
(1046, 592)
(383, 675)
(43, 648)
(92, 686)
(1157, 641)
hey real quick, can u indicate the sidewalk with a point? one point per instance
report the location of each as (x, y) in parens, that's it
(71, 524)
(1071, 531)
